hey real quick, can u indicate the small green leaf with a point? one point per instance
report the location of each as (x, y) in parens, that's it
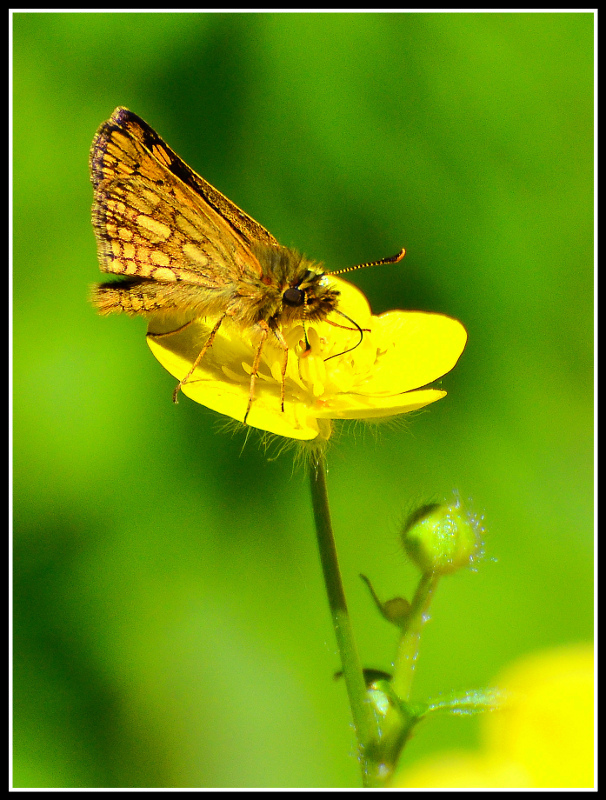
(474, 701)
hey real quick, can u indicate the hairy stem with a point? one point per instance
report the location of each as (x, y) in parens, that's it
(363, 716)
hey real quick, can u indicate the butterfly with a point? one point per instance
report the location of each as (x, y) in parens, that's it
(179, 245)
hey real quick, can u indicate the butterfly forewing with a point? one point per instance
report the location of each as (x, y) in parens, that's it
(155, 219)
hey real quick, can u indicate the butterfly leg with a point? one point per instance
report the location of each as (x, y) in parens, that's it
(284, 346)
(265, 329)
(199, 357)
(170, 333)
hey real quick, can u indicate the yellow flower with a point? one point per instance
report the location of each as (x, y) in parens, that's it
(542, 738)
(382, 376)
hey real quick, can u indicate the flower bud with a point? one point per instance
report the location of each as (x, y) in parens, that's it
(442, 538)
(396, 611)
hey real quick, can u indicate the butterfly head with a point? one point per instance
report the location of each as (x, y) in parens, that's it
(299, 288)
(311, 298)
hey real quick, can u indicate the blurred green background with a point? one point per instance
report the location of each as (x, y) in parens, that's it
(170, 624)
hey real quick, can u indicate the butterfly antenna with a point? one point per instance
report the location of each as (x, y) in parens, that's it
(390, 260)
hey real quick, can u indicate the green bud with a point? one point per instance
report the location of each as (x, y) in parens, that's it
(396, 611)
(441, 538)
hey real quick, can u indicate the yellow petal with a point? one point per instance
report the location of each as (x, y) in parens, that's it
(419, 348)
(542, 737)
(547, 725)
(354, 406)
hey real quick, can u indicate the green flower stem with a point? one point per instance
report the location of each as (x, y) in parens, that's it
(408, 648)
(363, 716)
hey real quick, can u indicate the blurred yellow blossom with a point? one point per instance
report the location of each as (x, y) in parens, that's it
(399, 353)
(542, 737)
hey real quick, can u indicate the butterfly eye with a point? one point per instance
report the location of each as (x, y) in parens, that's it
(294, 297)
